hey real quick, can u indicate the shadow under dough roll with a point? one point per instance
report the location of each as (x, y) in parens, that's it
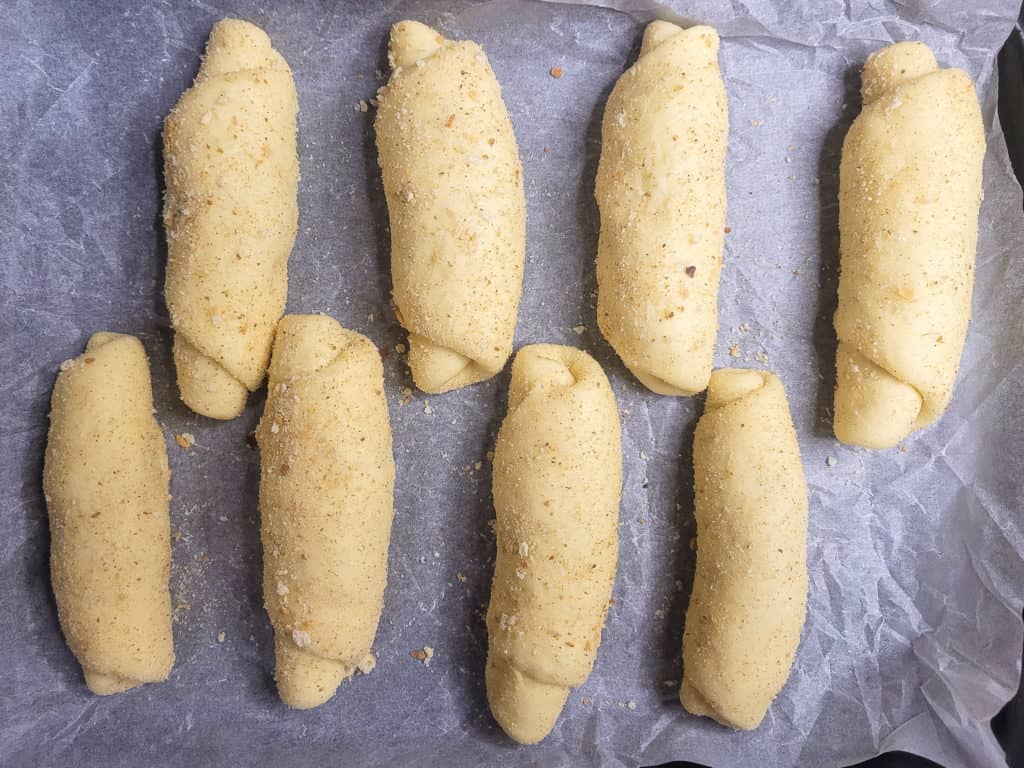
(454, 189)
(106, 483)
(230, 213)
(557, 483)
(326, 503)
(749, 596)
(909, 194)
(661, 192)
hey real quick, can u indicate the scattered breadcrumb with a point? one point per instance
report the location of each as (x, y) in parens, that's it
(362, 106)
(831, 461)
(630, 705)
(427, 409)
(220, 636)
(579, 329)
(490, 455)
(679, 585)
(734, 350)
(762, 357)
(461, 577)
(556, 72)
(756, 123)
(406, 395)
(424, 655)
(744, 327)
(693, 544)
(176, 535)
(478, 466)
(185, 440)
(659, 614)
(400, 348)
(728, 230)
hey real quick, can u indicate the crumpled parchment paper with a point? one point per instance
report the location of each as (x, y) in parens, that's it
(913, 637)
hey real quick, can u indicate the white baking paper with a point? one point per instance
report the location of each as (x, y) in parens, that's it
(914, 632)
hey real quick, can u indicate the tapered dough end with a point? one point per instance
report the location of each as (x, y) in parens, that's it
(104, 685)
(411, 41)
(305, 680)
(437, 369)
(693, 701)
(895, 64)
(205, 386)
(525, 709)
(873, 408)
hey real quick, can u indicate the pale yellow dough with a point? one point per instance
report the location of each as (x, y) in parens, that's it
(750, 591)
(326, 502)
(106, 483)
(454, 190)
(230, 214)
(557, 483)
(909, 193)
(661, 192)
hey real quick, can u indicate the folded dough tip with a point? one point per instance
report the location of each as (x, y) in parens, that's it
(104, 685)
(729, 384)
(305, 680)
(411, 41)
(102, 338)
(205, 386)
(660, 386)
(658, 31)
(696, 703)
(437, 369)
(236, 45)
(873, 408)
(895, 64)
(525, 709)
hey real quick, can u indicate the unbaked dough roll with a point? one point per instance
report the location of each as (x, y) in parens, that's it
(750, 591)
(454, 189)
(326, 501)
(909, 193)
(106, 483)
(557, 483)
(661, 193)
(230, 213)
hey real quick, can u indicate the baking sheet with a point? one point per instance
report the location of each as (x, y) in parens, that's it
(914, 633)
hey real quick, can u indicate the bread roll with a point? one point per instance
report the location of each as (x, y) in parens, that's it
(557, 483)
(661, 192)
(326, 502)
(106, 484)
(909, 193)
(750, 591)
(454, 189)
(230, 213)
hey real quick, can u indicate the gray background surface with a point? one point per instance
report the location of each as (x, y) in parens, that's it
(914, 632)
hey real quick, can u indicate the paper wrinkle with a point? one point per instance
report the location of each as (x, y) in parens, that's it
(916, 555)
